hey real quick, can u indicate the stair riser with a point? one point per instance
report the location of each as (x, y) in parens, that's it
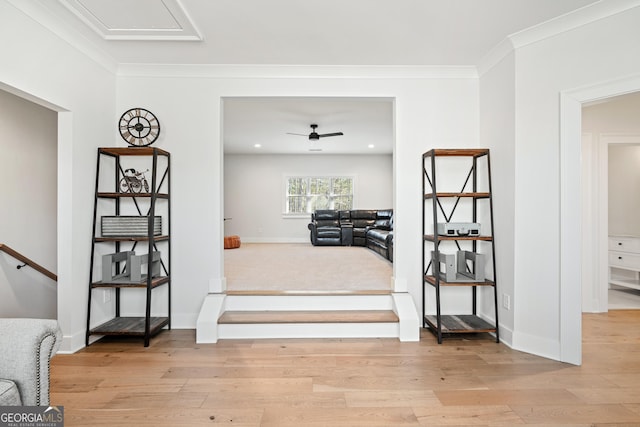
(297, 302)
(308, 330)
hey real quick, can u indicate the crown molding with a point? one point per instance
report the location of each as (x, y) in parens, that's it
(495, 56)
(572, 20)
(553, 27)
(297, 71)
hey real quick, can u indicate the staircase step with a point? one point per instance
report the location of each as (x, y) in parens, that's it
(309, 292)
(288, 316)
(308, 316)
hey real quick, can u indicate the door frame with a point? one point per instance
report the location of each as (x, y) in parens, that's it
(571, 254)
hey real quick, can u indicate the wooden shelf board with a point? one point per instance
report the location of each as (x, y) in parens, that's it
(460, 324)
(431, 238)
(132, 151)
(130, 326)
(474, 152)
(432, 281)
(155, 282)
(308, 316)
(115, 195)
(131, 239)
(476, 195)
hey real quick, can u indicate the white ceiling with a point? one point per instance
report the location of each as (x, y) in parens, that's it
(365, 122)
(299, 32)
(327, 32)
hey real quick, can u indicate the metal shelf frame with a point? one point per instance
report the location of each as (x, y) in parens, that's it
(145, 325)
(440, 324)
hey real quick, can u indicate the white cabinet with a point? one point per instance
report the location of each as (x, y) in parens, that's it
(624, 261)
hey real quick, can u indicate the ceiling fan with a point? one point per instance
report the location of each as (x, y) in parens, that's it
(314, 136)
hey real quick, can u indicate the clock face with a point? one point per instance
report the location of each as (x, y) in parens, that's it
(139, 127)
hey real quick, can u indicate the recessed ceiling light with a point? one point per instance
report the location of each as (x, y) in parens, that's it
(371, 146)
(257, 145)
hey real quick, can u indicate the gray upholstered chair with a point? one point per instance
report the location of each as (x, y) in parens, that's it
(26, 346)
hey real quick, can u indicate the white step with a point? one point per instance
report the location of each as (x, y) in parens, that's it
(307, 316)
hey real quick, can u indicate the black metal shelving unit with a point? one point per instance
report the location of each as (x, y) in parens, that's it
(443, 206)
(143, 200)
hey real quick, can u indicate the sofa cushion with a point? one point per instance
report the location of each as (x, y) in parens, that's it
(326, 214)
(378, 235)
(321, 223)
(328, 232)
(384, 224)
(385, 214)
(9, 394)
(364, 214)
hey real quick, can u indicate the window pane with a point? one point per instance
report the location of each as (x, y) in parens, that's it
(319, 202)
(297, 204)
(343, 186)
(297, 186)
(343, 202)
(319, 186)
(308, 194)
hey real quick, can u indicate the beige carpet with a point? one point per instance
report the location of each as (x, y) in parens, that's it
(305, 268)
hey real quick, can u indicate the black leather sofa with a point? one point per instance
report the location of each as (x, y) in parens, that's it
(369, 228)
(379, 236)
(325, 228)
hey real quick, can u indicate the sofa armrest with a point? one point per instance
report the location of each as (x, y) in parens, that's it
(27, 345)
(313, 235)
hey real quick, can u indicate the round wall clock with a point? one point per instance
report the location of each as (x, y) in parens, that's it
(139, 127)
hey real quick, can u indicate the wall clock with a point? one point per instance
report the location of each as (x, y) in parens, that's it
(139, 127)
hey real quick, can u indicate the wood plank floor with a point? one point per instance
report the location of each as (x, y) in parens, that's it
(309, 316)
(466, 381)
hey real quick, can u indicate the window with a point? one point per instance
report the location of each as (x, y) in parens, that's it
(305, 194)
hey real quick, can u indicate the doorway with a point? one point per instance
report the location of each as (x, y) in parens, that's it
(265, 142)
(28, 184)
(572, 257)
(611, 155)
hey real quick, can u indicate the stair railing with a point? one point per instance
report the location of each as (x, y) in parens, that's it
(17, 255)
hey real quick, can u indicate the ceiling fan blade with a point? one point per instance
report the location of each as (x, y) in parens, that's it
(298, 134)
(331, 134)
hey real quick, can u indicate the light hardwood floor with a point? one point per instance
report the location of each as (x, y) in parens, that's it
(470, 381)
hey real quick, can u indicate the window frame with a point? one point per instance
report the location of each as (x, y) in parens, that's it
(286, 195)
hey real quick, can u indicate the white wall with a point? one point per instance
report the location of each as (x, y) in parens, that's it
(497, 132)
(37, 64)
(439, 108)
(28, 219)
(434, 108)
(618, 118)
(624, 190)
(593, 54)
(254, 190)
